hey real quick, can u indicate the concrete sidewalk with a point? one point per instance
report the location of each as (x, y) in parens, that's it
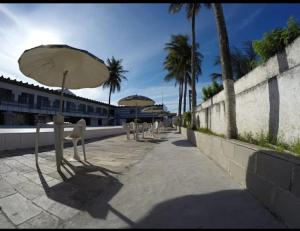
(174, 186)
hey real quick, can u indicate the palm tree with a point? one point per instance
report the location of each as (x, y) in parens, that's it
(192, 10)
(243, 61)
(178, 65)
(116, 75)
(228, 82)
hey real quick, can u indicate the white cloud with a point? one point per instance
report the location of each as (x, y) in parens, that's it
(248, 20)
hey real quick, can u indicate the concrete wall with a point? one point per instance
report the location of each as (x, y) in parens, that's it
(272, 177)
(267, 99)
(11, 139)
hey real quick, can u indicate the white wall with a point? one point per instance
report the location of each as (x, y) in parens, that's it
(267, 99)
(19, 138)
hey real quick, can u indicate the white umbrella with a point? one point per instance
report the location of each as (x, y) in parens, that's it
(136, 101)
(66, 67)
(154, 109)
(63, 66)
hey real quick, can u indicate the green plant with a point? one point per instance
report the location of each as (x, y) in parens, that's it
(187, 116)
(276, 40)
(211, 90)
(264, 140)
(295, 147)
(210, 132)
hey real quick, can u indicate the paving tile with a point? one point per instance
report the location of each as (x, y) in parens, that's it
(59, 204)
(17, 166)
(18, 209)
(43, 220)
(4, 168)
(14, 178)
(5, 188)
(5, 223)
(36, 178)
(29, 190)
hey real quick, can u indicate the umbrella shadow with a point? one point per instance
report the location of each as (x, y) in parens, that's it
(153, 140)
(183, 143)
(87, 188)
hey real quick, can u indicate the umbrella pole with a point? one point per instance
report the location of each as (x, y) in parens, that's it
(59, 129)
(62, 92)
(152, 117)
(136, 129)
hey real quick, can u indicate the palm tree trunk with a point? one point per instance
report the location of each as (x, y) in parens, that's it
(184, 97)
(230, 111)
(109, 105)
(180, 105)
(109, 96)
(193, 71)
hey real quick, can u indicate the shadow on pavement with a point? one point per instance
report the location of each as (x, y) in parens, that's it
(153, 140)
(83, 187)
(222, 209)
(183, 143)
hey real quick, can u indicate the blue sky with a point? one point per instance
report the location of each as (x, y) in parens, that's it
(136, 33)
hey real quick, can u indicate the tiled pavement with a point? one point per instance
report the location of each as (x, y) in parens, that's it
(33, 198)
(160, 183)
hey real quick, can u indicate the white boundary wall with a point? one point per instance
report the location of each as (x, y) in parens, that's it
(267, 99)
(13, 138)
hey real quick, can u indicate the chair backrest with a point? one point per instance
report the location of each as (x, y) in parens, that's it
(126, 126)
(132, 125)
(78, 129)
(145, 125)
(155, 125)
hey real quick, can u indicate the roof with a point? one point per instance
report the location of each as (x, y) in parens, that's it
(136, 97)
(54, 92)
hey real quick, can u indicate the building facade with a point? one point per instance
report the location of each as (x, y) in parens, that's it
(26, 104)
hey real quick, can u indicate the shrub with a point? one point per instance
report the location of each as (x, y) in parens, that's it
(187, 117)
(276, 40)
(211, 90)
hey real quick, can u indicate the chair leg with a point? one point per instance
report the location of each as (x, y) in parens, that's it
(76, 157)
(83, 149)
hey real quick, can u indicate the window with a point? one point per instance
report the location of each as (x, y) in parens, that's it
(90, 109)
(104, 111)
(56, 103)
(42, 101)
(6, 95)
(26, 98)
(70, 106)
(99, 110)
(82, 107)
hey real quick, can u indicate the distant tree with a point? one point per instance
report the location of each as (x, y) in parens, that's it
(178, 65)
(276, 40)
(192, 9)
(211, 90)
(242, 61)
(116, 76)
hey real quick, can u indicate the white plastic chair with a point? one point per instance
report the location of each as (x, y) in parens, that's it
(145, 128)
(132, 128)
(127, 129)
(155, 129)
(76, 135)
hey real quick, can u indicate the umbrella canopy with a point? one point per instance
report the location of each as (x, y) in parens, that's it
(63, 66)
(48, 63)
(154, 109)
(136, 100)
